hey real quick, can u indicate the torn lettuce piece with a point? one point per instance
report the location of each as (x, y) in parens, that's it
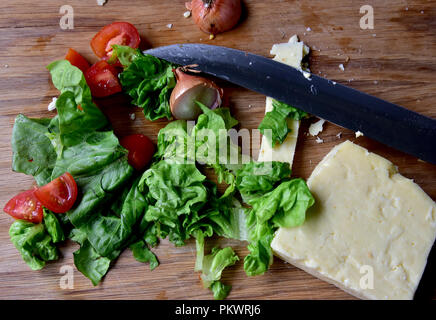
(90, 263)
(285, 206)
(33, 152)
(276, 121)
(255, 179)
(34, 243)
(125, 54)
(53, 226)
(212, 268)
(149, 81)
(175, 194)
(142, 253)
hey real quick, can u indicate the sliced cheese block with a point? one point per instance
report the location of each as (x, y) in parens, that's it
(290, 53)
(370, 230)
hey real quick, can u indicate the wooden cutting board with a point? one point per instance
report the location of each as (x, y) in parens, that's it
(395, 61)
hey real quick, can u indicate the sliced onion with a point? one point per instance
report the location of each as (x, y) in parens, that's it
(190, 89)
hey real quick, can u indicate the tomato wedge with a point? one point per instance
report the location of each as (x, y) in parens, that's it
(77, 60)
(58, 195)
(141, 150)
(102, 79)
(25, 206)
(122, 33)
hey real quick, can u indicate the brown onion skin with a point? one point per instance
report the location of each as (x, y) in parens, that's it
(215, 16)
(187, 81)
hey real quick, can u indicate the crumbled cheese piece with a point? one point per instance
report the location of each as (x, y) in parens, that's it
(316, 128)
(341, 66)
(169, 25)
(308, 29)
(101, 2)
(132, 116)
(358, 134)
(339, 135)
(187, 14)
(211, 37)
(307, 75)
(319, 140)
(6, 66)
(52, 104)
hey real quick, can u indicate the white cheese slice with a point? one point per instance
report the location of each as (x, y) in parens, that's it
(290, 53)
(370, 230)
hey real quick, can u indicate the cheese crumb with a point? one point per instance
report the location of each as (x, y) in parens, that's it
(339, 135)
(308, 29)
(169, 25)
(187, 14)
(101, 2)
(359, 134)
(132, 116)
(341, 66)
(52, 104)
(319, 140)
(316, 127)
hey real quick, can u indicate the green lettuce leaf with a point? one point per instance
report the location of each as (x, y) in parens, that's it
(276, 121)
(33, 152)
(90, 263)
(285, 206)
(149, 82)
(212, 268)
(53, 226)
(175, 193)
(126, 55)
(34, 243)
(257, 178)
(142, 253)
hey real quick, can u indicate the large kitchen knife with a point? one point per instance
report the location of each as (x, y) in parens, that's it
(380, 120)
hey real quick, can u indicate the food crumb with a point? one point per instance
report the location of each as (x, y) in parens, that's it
(347, 59)
(375, 82)
(169, 25)
(339, 135)
(358, 134)
(211, 37)
(101, 2)
(407, 8)
(341, 67)
(6, 66)
(187, 14)
(316, 127)
(422, 11)
(52, 104)
(319, 140)
(132, 116)
(250, 106)
(308, 29)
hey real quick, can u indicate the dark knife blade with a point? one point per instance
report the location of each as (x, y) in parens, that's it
(380, 120)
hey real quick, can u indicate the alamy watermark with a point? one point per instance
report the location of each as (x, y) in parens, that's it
(367, 20)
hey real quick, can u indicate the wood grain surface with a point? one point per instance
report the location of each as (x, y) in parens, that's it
(395, 61)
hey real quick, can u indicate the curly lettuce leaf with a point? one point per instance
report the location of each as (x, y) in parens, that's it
(125, 54)
(257, 178)
(276, 121)
(175, 193)
(149, 82)
(212, 268)
(285, 206)
(34, 243)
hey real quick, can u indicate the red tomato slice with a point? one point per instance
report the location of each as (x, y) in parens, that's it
(25, 206)
(77, 60)
(122, 33)
(59, 195)
(102, 79)
(141, 150)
